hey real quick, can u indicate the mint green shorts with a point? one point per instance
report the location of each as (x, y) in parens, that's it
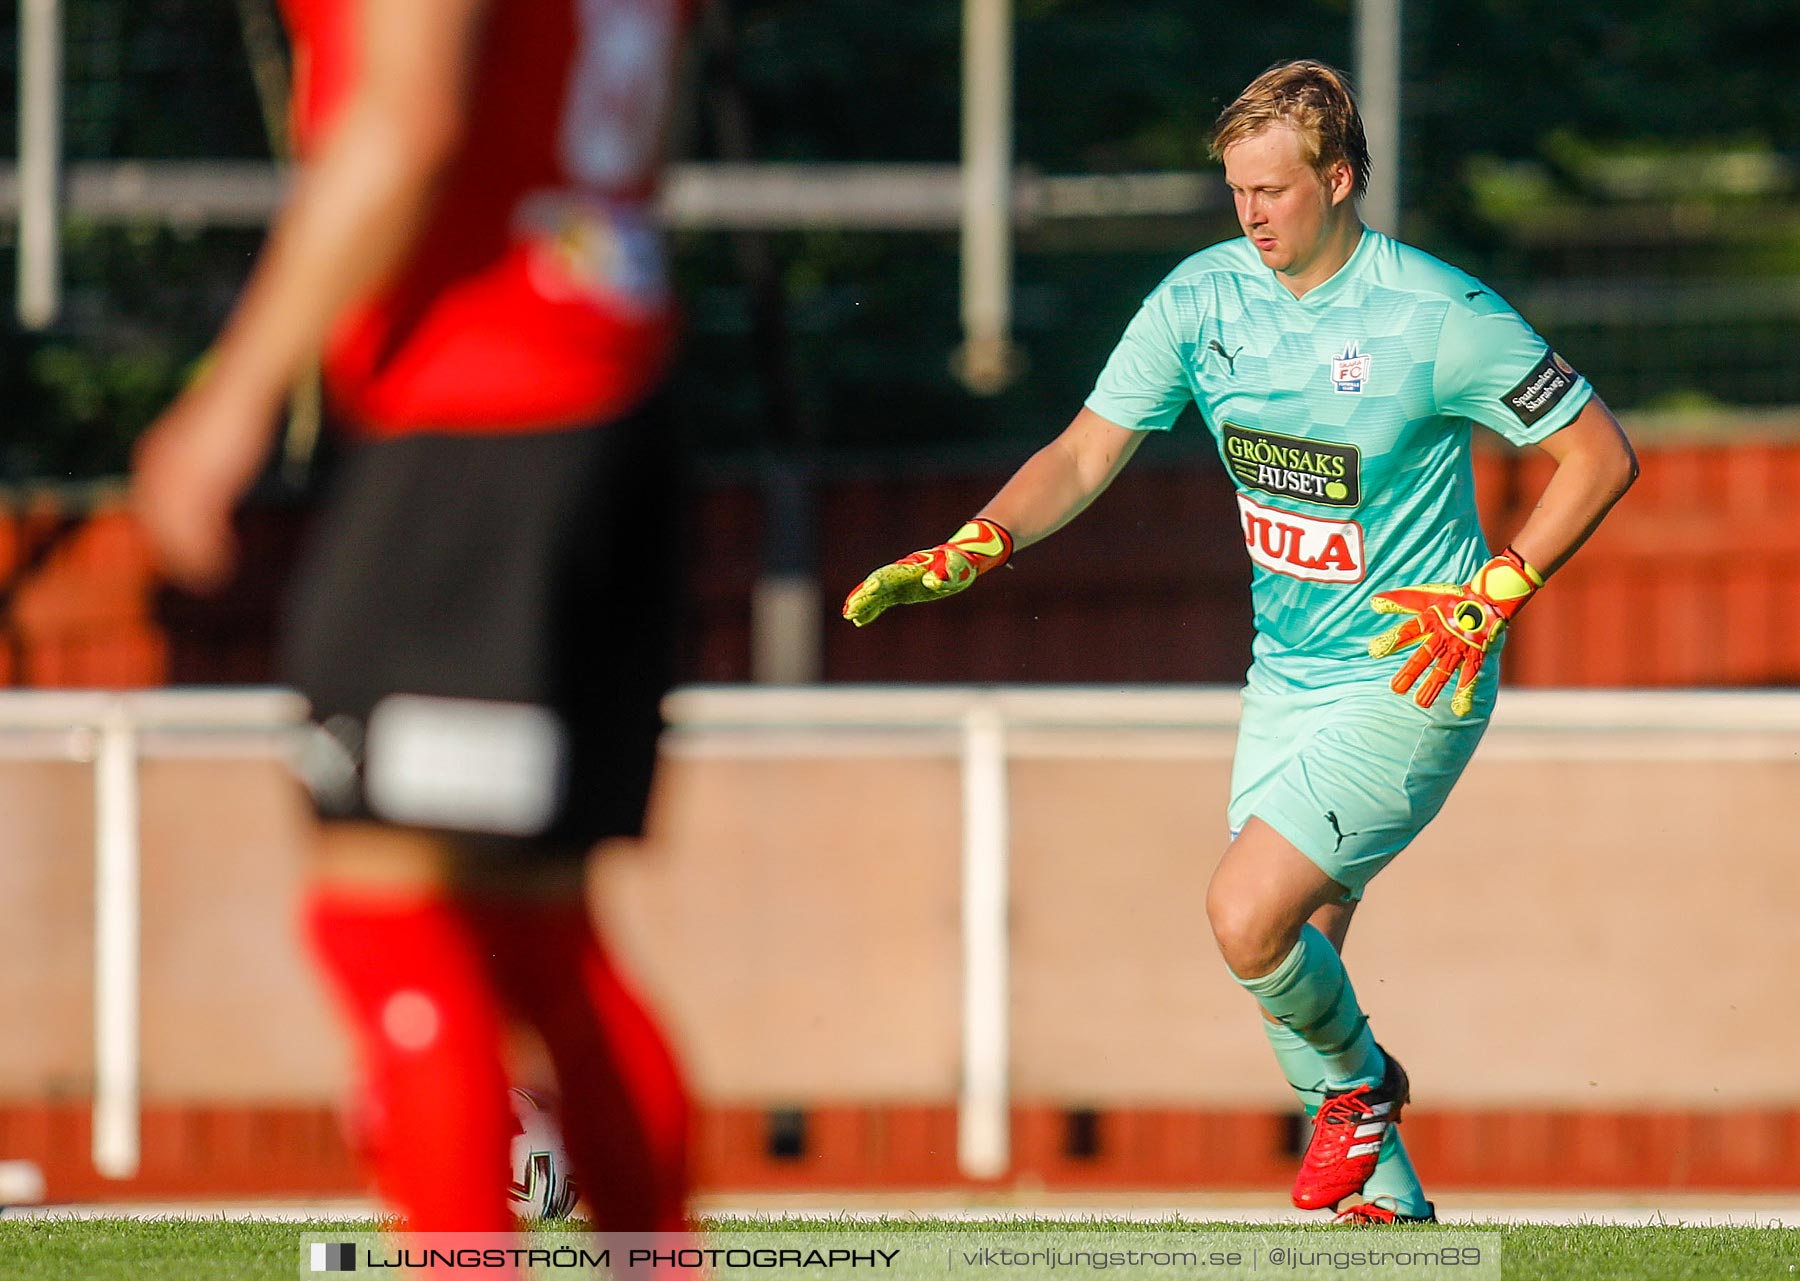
(1351, 774)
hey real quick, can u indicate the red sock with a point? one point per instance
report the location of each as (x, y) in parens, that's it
(625, 1107)
(427, 1030)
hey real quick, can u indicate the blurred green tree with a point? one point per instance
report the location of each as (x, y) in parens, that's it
(1526, 124)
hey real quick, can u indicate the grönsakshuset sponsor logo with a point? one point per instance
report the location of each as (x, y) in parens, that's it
(1318, 471)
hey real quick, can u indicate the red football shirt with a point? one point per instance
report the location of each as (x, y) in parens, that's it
(536, 296)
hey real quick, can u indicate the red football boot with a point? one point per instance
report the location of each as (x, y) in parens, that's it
(1373, 1214)
(1347, 1138)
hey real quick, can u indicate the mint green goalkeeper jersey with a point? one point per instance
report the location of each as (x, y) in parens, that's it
(1344, 419)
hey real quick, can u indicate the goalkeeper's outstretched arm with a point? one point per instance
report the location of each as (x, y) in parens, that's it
(1053, 487)
(1057, 483)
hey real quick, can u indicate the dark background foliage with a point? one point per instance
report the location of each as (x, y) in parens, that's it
(1572, 154)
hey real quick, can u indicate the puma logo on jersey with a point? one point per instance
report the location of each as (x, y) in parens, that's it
(1230, 356)
(1303, 547)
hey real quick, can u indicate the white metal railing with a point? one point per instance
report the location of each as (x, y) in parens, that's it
(113, 732)
(711, 196)
(986, 727)
(992, 725)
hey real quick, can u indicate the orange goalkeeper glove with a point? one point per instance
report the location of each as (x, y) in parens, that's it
(936, 572)
(1453, 626)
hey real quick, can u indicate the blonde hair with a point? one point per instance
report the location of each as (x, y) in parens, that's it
(1309, 97)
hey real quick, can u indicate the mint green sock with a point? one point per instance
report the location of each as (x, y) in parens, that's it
(1395, 1177)
(1299, 1064)
(1310, 993)
(1305, 1072)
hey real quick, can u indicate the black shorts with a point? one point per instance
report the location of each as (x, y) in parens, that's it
(485, 628)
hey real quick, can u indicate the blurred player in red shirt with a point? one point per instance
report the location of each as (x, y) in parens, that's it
(483, 619)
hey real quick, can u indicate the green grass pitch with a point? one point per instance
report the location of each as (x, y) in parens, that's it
(239, 1250)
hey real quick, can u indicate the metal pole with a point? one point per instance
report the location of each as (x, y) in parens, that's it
(983, 1130)
(40, 162)
(1378, 95)
(116, 947)
(986, 361)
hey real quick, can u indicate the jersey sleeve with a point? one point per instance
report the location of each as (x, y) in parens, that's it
(1144, 385)
(1492, 367)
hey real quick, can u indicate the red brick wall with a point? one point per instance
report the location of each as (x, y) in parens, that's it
(1688, 583)
(208, 1151)
(81, 606)
(1691, 580)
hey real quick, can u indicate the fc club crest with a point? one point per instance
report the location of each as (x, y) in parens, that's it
(1350, 371)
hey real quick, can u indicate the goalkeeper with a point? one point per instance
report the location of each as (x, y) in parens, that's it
(1339, 373)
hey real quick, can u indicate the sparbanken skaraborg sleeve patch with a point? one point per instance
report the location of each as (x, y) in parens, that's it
(1542, 389)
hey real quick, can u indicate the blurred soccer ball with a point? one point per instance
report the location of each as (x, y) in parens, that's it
(542, 1182)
